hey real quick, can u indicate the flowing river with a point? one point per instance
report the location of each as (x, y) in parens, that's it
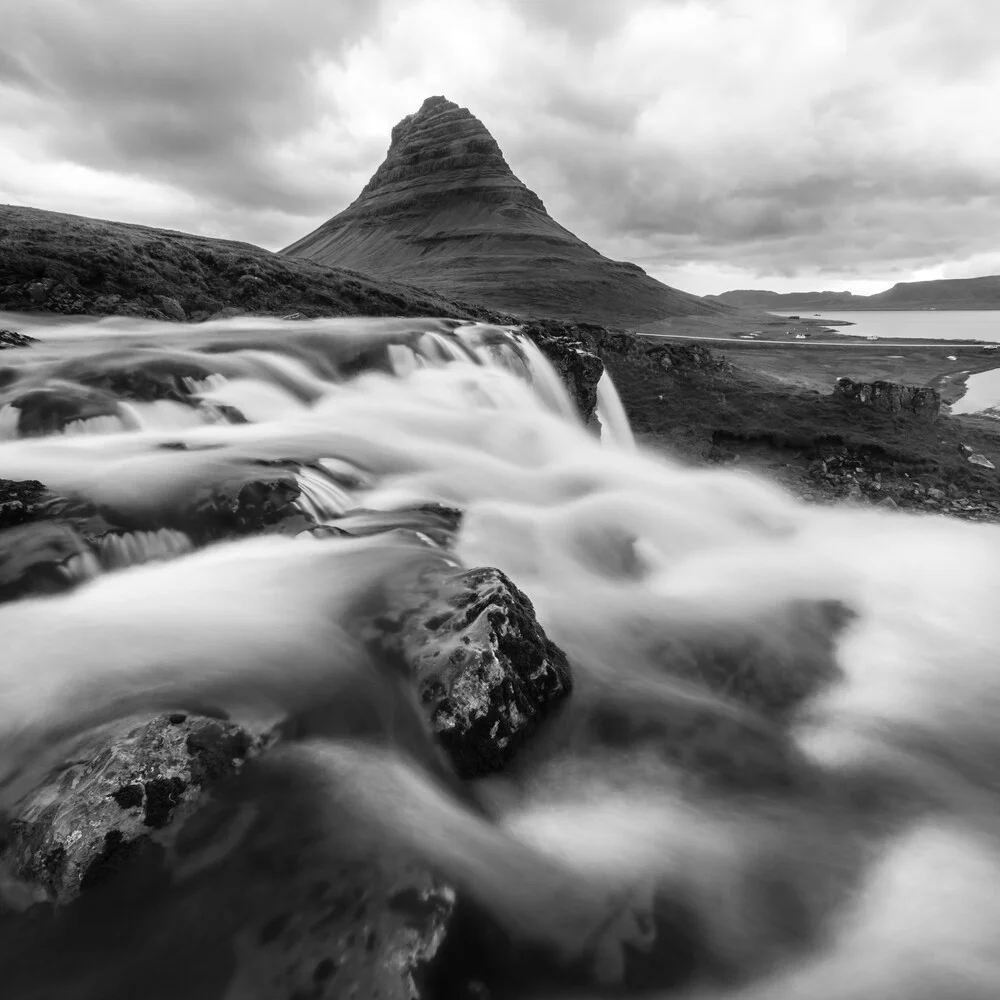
(775, 775)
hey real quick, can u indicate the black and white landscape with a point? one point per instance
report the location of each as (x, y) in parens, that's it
(450, 549)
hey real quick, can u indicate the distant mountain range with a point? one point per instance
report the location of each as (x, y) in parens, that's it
(446, 212)
(950, 293)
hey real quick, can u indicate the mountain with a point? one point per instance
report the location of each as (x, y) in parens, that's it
(950, 293)
(445, 211)
(72, 264)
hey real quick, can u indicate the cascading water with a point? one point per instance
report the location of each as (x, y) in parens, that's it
(782, 739)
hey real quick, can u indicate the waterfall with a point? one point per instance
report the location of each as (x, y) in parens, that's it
(784, 719)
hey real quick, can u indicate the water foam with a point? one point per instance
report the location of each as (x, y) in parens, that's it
(866, 640)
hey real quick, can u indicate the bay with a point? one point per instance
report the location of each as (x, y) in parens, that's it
(920, 324)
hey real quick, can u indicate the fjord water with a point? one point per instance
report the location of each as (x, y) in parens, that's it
(982, 394)
(919, 324)
(633, 562)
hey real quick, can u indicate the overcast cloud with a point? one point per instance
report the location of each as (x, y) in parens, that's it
(790, 144)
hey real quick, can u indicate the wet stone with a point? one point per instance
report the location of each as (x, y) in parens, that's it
(486, 673)
(125, 782)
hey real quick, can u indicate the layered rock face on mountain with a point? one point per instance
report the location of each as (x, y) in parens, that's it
(445, 211)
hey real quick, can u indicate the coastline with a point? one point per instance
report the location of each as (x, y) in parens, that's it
(942, 365)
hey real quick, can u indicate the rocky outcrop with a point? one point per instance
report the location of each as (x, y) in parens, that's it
(445, 211)
(862, 476)
(48, 409)
(11, 338)
(150, 840)
(124, 784)
(49, 543)
(890, 397)
(244, 506)
(485, 671)
(677, 359)
(152, 837)
(612, 345)
(681, 359)
(580, 370)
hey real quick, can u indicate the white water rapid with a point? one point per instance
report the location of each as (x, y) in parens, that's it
(862, 644)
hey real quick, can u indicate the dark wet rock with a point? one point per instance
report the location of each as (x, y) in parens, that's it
(48, 409)
(485, 671)
(339, 929)
(154, 839)
(155, 378)
(570, 348)
(579, 369)
(124, 783)
(244, 507)
(42, 558)
(11, 338)
(239, 898)
(890, 397)
(48, 543)
(23, 501)
(85, 387)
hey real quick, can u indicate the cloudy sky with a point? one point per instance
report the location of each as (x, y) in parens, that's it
(787, 144)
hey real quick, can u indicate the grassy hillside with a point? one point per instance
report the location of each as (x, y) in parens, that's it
(71, 264)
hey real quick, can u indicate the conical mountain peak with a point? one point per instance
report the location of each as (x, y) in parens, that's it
(445, 210)
(442, 150)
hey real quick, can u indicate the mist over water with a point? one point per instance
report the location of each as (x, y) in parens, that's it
(844, 659)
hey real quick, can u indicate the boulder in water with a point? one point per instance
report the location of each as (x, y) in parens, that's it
(125, 782)
(43, 558)
(49, 543)
(486, 673)
(52, 409)
(46, 541)
(150, 841)
(243, 506)
(11, 338)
